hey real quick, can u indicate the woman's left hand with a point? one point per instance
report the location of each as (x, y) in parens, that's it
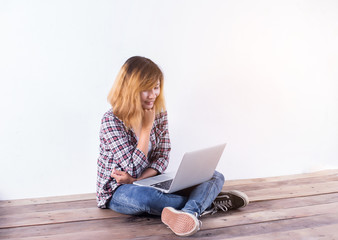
(122, 177)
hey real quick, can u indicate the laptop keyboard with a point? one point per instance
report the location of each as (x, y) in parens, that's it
(164, 185)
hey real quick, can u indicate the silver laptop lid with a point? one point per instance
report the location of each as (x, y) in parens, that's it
(197, 167)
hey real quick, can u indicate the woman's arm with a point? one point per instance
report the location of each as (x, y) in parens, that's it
(120, 152)
(122, 177)
(149, 172)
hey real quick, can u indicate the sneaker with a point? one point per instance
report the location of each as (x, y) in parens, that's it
(228, 200)
(181, 223)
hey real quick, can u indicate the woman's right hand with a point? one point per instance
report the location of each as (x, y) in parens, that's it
(148, 118)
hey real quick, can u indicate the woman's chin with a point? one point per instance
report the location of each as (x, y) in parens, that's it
(148, 107)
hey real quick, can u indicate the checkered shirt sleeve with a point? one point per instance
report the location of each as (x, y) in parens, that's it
(160, 155)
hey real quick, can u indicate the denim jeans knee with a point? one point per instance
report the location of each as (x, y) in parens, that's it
(219, 176)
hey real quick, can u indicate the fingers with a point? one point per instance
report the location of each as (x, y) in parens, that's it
(148, 118)
(122, 179)
(149, 111)
(121, 176)
(118, 172)
(117, 177)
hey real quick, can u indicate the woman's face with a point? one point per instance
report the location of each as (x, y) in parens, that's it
(148, 97)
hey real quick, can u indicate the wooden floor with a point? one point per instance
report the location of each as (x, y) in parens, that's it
(287, 207)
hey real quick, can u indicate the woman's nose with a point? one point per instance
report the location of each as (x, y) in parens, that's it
(152, 94)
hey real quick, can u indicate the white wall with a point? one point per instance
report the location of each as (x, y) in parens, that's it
(260, 75)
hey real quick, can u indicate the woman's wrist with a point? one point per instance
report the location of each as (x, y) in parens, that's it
(149, 172)
(146, 129)
(133, 180)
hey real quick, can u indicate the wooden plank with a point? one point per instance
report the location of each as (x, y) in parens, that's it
(122, 225)
(56, 199)
(317, 227)
(102, 235)
(120, 221)
(292, 191)
(47, 207)
(58, 216)
(239, 218)
(328, 232)
(292, 177)
(291, 202)
(268, 227)
(285, 182)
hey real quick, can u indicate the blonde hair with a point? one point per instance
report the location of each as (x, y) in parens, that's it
(136, 75)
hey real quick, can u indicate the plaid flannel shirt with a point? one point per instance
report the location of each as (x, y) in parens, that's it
(118, 149)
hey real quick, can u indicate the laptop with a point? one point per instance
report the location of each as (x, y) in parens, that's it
(196, 167)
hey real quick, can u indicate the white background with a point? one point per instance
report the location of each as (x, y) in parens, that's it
(259, 75)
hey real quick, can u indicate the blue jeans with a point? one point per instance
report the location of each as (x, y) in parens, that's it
(136, 200)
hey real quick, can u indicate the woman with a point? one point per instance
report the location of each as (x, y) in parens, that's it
(135, 144)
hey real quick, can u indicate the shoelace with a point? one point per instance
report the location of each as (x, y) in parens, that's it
(221, 205)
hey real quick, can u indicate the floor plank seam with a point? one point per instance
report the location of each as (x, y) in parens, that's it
(55, 223)
(288, 197)
(48, 203)
(267, 221)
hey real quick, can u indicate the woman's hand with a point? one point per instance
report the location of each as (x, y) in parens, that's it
(122, 177)
(148, 118)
